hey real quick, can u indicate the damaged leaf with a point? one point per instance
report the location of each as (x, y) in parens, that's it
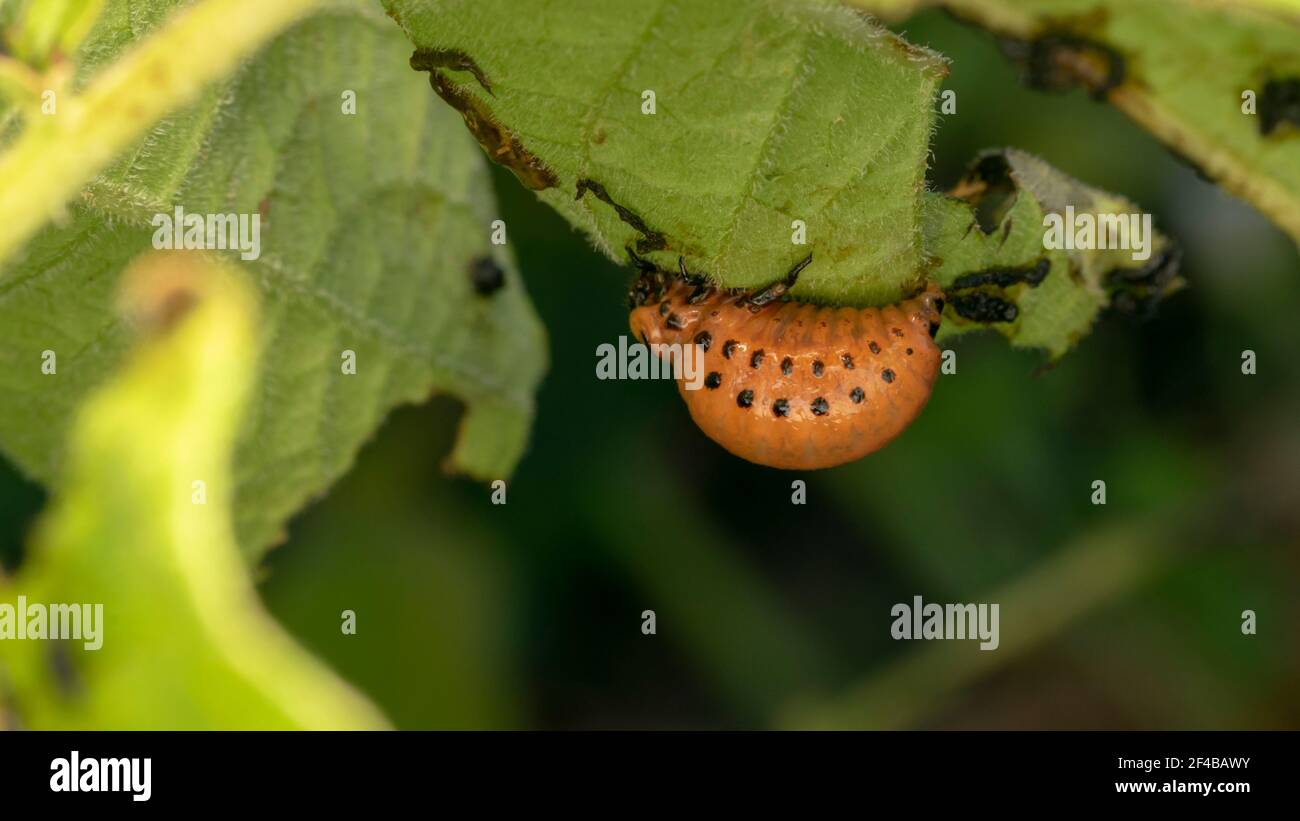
(739, 136)
(988, 241)
(1218, 82)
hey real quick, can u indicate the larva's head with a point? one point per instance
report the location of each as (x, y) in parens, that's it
(927, 307)
(662, 311)
(650, 286)
(646, 291)
(667, 319)
(642, 324)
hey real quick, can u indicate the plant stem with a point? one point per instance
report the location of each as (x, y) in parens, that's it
(58, 153)
(1044, 602)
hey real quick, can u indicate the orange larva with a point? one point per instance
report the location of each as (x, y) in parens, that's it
(793, 385)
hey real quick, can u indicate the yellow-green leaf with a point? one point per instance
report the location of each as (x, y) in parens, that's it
(140, 527)
(370, 225)
(1216, 81)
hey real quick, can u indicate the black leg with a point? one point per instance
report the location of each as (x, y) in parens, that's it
(688, 277)
(645, 266)
(777, 290)
(794, 272)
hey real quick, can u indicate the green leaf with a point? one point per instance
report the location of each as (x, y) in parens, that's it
(764, 114)
(182, 639)
(52, 28)
(1179, 68)
(989, 254)
(69, 136)
(371, 223)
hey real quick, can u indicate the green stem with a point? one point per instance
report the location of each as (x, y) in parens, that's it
(1034, 608)
(58, 153)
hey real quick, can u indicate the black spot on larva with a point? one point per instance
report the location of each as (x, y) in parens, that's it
(887, 375)
(700, 294)
(874, 347)
(934, 329)
(745, 398)
(486, 276)
(820, 407)
(818, 368)
(729, 347)
(857, 395)
(781, 407)
(898, 332)
(713, 380)
(704, 339)
(787, 366)
(675, 322)
(756, 359)
(664, 308)
(848, 361)
(909, 351)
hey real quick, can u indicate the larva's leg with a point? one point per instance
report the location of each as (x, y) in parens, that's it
(798, 267)
(649, 285)
(777, 290)
(643, 265)
(687, 276)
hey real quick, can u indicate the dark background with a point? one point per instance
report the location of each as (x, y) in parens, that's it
(1126, 615)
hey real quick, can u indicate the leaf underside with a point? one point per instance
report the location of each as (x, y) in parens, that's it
(764, 113)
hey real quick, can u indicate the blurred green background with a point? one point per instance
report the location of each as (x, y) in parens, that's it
(1126, 615)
